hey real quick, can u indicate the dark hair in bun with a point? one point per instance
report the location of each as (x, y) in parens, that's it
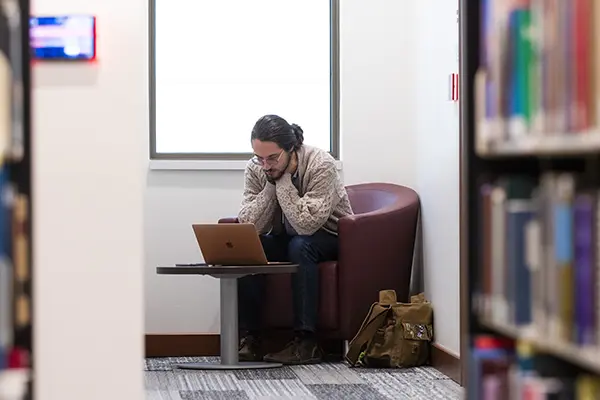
(273, 128)
(299, 133)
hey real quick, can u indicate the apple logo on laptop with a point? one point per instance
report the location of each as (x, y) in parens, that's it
(229, 245)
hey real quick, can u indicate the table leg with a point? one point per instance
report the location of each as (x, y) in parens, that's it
(229, 321)
(229, 334)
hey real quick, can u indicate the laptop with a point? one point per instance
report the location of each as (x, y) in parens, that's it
(231, 244)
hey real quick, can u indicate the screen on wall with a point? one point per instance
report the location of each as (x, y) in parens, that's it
(63, 37)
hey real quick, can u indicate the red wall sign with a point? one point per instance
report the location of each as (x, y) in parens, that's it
(453, 87)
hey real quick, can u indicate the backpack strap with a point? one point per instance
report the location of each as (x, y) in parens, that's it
(367, 330)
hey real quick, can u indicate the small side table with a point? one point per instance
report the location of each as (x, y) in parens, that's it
(228, 276)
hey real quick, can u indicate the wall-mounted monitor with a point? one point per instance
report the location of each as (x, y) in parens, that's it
(63, 38)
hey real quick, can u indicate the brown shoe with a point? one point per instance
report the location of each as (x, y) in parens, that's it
(250, 349)
(299, 351)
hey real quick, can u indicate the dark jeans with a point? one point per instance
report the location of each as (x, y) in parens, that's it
(307, 252)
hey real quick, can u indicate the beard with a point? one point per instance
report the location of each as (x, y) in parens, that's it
(274, 174)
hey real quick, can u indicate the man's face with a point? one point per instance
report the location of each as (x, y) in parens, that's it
(272, 158)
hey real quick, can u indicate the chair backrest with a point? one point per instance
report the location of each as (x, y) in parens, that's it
(368, 197)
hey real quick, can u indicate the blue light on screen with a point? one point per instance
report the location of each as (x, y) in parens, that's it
(63, 37)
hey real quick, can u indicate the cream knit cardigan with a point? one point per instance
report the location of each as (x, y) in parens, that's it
(321, 201)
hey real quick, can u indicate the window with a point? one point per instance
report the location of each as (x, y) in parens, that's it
(217, 66)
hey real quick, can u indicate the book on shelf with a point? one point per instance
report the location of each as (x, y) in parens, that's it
(535, 229)
(15, 265)
(539, 70)
(5, 132)
(540, 258)
(501, 368)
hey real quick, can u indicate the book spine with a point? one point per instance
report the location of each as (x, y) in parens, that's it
(563, 234)
(595, 63)
(486, 262)
(6, 271)
(538, 68)
(567, 53)
(534, 261)
(519, 214)
(551, 298)
(581, 70)
(583, 254)
(498, 239)
(520, 110)
(552, 80)
(486, 34)
(597, 267)
(20, 246)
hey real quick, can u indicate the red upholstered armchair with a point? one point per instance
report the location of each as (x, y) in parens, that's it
(376, 252)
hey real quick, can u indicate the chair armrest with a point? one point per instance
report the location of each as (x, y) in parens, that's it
(375, 253)
(229, 220)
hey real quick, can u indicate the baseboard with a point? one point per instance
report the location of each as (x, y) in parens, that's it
(446, 362)
(207, 344)
(182, 345)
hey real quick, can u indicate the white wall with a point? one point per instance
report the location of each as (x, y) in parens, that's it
(385, 137)
(438, 164)
(90, 124)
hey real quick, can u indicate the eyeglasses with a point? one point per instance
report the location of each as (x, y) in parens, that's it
(271, 160)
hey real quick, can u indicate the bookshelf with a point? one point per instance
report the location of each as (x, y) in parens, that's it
(530, 198)
(16, 340)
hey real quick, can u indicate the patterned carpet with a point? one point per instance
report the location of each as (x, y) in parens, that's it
(324, 381)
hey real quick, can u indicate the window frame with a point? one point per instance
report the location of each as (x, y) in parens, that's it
(334, 79)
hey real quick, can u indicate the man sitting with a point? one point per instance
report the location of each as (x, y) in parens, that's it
(294, 196)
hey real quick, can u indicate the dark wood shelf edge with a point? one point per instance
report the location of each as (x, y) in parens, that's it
(584, 357)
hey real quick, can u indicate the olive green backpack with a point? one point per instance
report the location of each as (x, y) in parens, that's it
(394, 335)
